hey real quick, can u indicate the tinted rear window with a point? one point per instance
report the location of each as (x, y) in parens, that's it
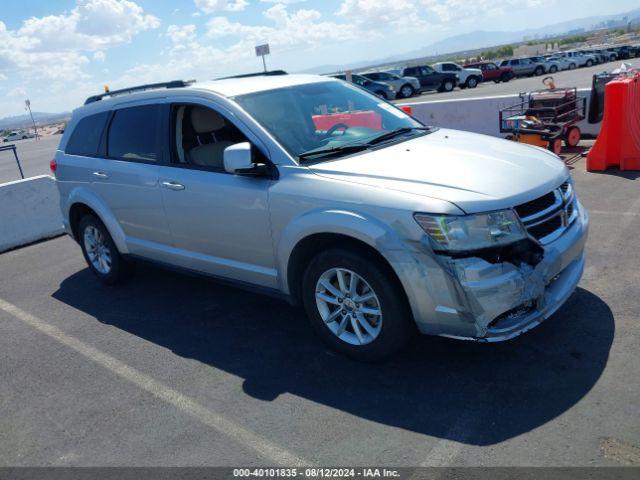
(86, 136)
(133, 134)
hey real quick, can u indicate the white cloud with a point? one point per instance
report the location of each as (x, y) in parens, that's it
(300, 28)
(3, 76)
(99, 56)
(17, 92)
(287, 2)
(54, 46)
(212, 6)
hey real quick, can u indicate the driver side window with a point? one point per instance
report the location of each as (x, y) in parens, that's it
(200, 136)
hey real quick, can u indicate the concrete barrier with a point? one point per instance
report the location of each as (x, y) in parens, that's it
(479, 115)
(29, 211)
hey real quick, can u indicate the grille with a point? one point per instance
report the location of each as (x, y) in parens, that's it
(536, 206)
(546, 217)
(545, 228)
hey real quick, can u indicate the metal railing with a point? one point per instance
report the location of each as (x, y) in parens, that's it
(12, 147)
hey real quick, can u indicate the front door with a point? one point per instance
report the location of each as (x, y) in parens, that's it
(219, 222)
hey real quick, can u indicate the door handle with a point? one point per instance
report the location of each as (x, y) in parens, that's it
(173, 185)
(100, 175)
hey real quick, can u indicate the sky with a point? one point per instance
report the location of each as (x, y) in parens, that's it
(58, 52)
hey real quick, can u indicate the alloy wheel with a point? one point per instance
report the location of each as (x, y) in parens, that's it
(348, 306)
(97, 250)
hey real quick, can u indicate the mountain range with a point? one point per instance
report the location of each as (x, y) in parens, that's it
(483, 39)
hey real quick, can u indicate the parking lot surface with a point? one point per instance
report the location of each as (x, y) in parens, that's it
(34, 157)
(580, 78)
(176, 370)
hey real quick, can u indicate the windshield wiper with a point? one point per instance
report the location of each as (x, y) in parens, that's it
(394, 133)
(349, 148)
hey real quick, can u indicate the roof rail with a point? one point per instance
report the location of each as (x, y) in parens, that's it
(270, 73)
(140, 88)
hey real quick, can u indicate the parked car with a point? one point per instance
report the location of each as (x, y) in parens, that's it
(468, 77)
(600, 55)
(404, 86)
(551, 66)
(18, 135)
(564, 62)
(383, 90)
(622, 52)
(430, 79)
(581, 59)
(374, 230)
(523, 67)
(491, 71)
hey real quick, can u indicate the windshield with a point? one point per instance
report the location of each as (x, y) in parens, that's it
(325, 115)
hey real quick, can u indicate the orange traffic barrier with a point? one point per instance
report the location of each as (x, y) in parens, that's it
(366, 118)
(407, 109)
(618, 143)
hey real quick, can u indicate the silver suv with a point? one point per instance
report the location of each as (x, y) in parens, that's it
(318, 191)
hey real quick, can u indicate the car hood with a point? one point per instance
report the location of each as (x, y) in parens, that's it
(476, 71)
(474, 172)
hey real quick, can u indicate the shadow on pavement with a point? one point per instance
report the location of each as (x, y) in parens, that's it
(493, 392)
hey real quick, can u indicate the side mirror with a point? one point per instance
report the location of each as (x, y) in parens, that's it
(238, 158)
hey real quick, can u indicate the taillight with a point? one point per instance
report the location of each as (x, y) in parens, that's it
(53, 166)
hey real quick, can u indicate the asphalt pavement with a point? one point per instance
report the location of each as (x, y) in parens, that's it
(34, 156)
(175, 370)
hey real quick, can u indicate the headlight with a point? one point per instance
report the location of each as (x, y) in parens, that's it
(471, 232)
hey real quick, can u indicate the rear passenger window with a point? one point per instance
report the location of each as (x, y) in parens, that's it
(133, 134)
(86, 136)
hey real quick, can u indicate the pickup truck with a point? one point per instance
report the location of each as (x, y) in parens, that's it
(430, 79)
(491, 71)
(469, 77)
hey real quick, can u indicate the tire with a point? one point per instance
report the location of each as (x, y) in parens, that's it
(24, 137)
(472, 82)
(538, 71)
(110, 272)
(505, 77)
(589, 63)
(553, 69)
(394, 324)
(407, 91)
(572, 66)
(448, 86)
(572, 138)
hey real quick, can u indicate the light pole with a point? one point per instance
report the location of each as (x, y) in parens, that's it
(27, 103)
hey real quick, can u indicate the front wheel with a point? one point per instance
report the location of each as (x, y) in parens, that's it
(553, 69)
(356, 305)
(572, 66)
(538, 71)
(589, 63)
(100, 251)
(472, 82)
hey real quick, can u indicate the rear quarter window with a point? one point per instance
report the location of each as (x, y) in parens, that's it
(85, 138)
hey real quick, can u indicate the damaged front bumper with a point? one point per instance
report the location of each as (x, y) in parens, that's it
(475, 299)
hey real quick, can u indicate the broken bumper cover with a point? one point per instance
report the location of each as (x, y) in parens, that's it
(473, 299)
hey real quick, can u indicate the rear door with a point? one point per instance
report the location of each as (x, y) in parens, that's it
(126, 178)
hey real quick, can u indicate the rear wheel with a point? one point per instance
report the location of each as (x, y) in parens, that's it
(572, 137)
(100, 251)
(572, 66)
(589, 63)
(447, 86)
(553, 69)
(355, 305)
(538, 71)
(407, 91)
